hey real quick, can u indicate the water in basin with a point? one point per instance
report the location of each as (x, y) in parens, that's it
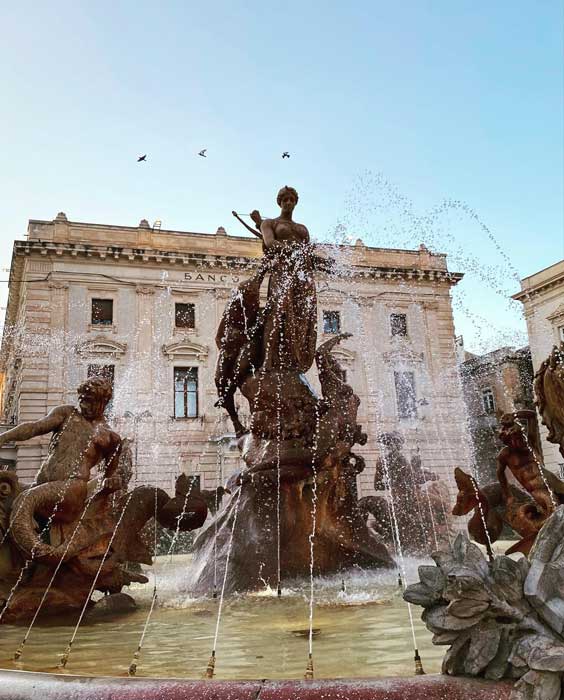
(364, 632)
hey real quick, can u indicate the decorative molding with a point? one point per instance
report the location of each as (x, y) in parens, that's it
(403, 355)
(144, 289)
(57, 284)
(185, 292)
(556, 315)
(100, 345)
(185, 350)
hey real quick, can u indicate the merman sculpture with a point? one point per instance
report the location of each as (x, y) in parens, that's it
(68, 528)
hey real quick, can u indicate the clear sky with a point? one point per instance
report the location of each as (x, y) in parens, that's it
(388, 110)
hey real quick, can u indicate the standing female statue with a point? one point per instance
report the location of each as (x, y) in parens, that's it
(290, 315)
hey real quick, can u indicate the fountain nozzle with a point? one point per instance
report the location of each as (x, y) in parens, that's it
(65, 656)
(309, 669)
(343, 587)
(400, 582)
(279, 590)
(214, 594)
(418, 665)
(19, 651)
(132, 670)
(211, 666)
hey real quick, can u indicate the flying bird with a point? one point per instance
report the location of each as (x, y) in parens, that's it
(285, 154)
(203, 153)
(142, 158)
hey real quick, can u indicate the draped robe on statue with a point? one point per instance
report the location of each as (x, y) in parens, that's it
(290, 314)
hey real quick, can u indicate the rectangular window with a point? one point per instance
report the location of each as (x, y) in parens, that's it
(184, 315)
(405, 394)
(488, 401)
(331, 322)
(398, 324)
(102, 312)
(185, 392)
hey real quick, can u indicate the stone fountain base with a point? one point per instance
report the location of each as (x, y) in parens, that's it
(22, 685)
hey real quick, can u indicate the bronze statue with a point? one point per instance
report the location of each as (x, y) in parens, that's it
(524, 509)
(290, 315)
(522, 456)
(297, 442)
(68, 530)
(414, 491)
(549, 391)
(81, 439)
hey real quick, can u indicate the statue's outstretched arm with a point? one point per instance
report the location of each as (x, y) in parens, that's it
(254, 231)
(25, 431)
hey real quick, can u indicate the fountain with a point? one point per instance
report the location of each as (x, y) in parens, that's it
(292, 551)
(68, 534)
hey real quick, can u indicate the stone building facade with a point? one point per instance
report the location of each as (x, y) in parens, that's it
(498, 382)
(542, 296)
(142, 305)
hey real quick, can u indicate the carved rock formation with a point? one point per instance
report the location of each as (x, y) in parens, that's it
(502, 619)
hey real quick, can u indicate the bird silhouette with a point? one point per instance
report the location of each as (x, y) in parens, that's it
(142, 158)
(203, 153)
(285, 154)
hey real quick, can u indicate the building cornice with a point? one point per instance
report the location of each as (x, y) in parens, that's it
(151, 257)
(531, 289)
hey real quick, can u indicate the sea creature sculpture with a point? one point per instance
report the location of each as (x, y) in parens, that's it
(71, 531)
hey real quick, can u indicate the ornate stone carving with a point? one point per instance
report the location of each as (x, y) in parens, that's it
(186, 349)
(144, 289)
(503, 619)
(100, 345)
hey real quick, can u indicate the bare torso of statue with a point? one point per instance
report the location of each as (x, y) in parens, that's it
(290, 316)
(77, 446)
(287, 232)
(81, 439)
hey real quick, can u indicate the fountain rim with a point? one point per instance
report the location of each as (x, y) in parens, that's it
(17, 684)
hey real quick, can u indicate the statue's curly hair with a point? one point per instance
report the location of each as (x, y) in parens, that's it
(285, 190)
(98, 387)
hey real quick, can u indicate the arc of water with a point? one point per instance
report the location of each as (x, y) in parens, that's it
(211, 664)
(401, 558)
(309, 669)
(135, 660)
(218, 470)
(67, 652)
(45, 529)
(539, 467)
(20, 649)
(278, 483)
(133, 665)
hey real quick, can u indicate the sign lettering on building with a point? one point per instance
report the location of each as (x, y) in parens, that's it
(210, 277)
